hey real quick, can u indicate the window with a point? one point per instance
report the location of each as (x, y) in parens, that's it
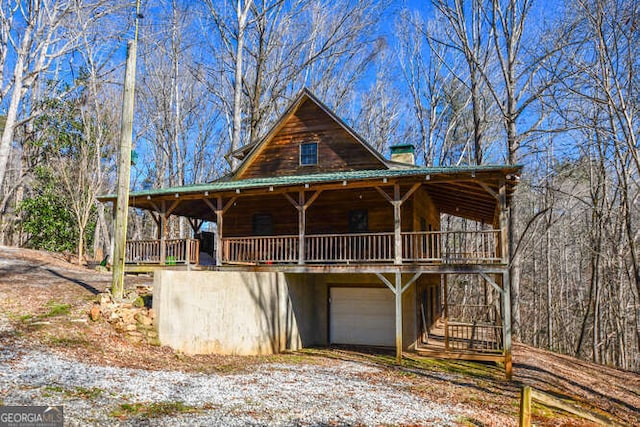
(358, 221)
(309, 153)
(262, 225)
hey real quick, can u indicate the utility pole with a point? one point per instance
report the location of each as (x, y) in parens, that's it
(124, 167)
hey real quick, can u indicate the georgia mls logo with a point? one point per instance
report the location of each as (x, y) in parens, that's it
(31, 416)
(53, 414)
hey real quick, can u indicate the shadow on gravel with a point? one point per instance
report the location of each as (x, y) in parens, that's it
(87, 286)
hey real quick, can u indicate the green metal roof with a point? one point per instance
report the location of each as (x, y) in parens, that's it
(292, 180)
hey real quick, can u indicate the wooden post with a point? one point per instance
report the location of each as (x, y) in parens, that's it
(397, 223)
(506, 297)
(445, 292)
(506, 284)
(163, 234)
(301, 226)
(504, 222)
(219, 213)
(124, 172)
(525, 407)
(187, 253)
(112, 243)
(398, 292)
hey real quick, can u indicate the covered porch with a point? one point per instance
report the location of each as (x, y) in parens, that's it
(373, 217)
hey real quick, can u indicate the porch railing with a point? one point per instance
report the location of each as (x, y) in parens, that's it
(168, 252)
(488, 313)
(269, 249)
(369, 247)
(473, 337)
(426, 247)
(451, 246)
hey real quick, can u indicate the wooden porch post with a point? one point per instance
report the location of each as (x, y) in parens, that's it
(302, 217)
(219, 219)
(187, 253)
(504, 222)
(162, 230)
(506, 307)
(398, 293)
(445, 296)
(398, 289)
(112, 243)
(397, 225)
(506, 283)
(301, 206)
(397, 202)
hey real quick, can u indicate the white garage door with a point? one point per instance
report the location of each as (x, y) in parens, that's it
(364, 316)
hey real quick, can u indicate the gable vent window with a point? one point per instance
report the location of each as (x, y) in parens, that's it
(309, 153)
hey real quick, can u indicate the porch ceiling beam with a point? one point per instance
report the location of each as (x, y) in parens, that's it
(211, 206)
(412, 190)
(404, 287)
(312, 199)
(489, 190)
(302, 204)
(492, 282)
(386, 282)
(384, 194)
(411, 281)
(195, 224)
(397, 197)
(229, 203)
(292, 201)
(173, 206)
(155, 217)
(155, 207)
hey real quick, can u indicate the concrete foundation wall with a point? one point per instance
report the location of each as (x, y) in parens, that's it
(229, 312)
(248, 313)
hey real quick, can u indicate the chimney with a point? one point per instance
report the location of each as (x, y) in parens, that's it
(404, 153)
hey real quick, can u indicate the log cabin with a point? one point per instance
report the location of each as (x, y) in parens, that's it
(320, 240)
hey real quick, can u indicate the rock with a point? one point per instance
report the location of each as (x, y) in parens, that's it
(94, 313)
(152, 334)
(127, 316)
(134, 337)
(131, 296)
(130, 328)
(104, 299)
(143, 320)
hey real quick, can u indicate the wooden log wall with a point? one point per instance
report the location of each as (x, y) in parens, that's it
(329, 213)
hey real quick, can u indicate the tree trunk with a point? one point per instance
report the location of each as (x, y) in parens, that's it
(242, 14)
(16, 97)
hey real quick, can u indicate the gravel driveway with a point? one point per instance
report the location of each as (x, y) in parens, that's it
(332, 393)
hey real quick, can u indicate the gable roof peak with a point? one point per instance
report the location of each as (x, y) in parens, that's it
(248, 152)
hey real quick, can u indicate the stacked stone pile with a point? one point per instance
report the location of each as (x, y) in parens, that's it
(132, 316)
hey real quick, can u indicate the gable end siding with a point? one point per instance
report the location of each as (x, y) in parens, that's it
(337, 149)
